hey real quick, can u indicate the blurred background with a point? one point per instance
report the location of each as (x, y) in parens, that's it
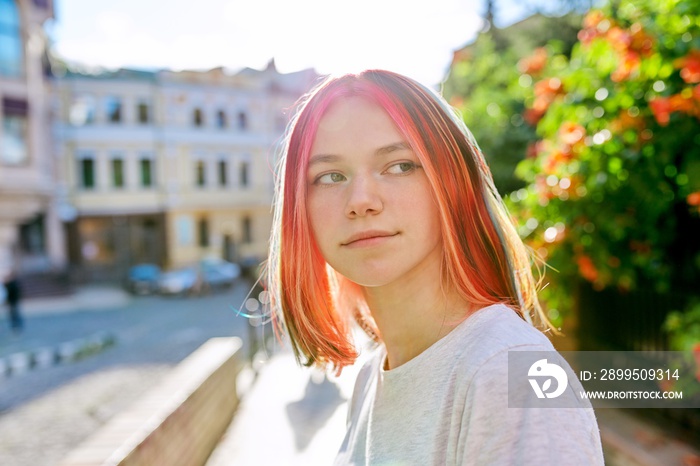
(138, 140)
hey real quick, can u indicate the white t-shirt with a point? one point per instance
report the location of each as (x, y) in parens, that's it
(449, 405)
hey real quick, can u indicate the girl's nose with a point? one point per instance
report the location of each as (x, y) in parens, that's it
(363, 198)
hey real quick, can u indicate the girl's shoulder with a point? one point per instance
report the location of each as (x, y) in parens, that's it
(496, 328)
(489, 333)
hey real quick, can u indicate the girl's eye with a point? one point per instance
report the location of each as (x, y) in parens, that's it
(330, 178)
(401, 167)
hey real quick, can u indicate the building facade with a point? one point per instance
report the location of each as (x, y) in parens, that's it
(168, 167)
(30, 231)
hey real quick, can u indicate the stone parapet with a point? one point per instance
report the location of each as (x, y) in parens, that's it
(179, 422)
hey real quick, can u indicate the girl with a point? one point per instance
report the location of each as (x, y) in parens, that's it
(386, 215)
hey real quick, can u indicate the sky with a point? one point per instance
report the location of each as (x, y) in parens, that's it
(415, 38)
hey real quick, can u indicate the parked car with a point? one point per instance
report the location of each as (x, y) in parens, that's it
(179, 281)
(143, 279)
(197, 279)
(219, 273)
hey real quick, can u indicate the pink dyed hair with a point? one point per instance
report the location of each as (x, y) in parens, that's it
(484, 258)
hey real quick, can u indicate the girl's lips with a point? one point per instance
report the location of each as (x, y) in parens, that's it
(368, 238)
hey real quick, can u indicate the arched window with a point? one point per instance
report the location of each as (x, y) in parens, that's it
(11, 59)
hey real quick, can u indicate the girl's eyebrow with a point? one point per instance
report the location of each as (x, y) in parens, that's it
(330, 158)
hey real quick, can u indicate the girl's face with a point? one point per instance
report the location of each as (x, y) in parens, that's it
(370, 204)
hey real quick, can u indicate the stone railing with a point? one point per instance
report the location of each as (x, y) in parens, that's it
(179, 422)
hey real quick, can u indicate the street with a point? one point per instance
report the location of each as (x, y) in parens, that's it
(45, 412)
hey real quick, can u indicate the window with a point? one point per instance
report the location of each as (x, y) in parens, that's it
(118, 172)
(246, 226)
(82, 110)
(221, 119)
(200, 170)
(13, 144)
(243, 174)
(203, 232)
(146, 172)
(242, 121)
(87, 172)
(113, 109)
(31, 236)
(222, 172)
(11, 59)
(198, 117)
(143, 112)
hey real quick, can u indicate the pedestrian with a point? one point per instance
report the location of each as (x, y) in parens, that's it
(386, 216)
(13, 294)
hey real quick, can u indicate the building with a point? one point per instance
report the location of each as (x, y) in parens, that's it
(169, 167)
(30, 231)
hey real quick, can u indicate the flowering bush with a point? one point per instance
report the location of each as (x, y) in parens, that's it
(683, 329)
(613, 183)
(488, 81)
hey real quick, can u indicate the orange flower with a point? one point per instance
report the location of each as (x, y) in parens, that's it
(689, 66)
(555, 158)
(545, 93)
(641, 41)
(586, 36)
(626, 121)
(619, 38)
(679, 103)
(542, 188)
(593, 18)
(551, 86)
(531, 150)
(693, 199)
(457, 101)
(629, 63)
(666, 385)
(641, 247)
(587, 268)
(535, 63)
(571, 133)
(661, 108)
(532, 116)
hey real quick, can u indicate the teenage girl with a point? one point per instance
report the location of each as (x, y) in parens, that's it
(386, 216)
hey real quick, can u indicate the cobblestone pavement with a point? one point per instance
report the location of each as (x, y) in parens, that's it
(46, 412)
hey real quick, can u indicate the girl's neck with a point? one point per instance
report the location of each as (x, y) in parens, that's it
(413, 315)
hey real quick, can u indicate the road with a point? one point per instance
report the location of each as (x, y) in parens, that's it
(46, 412)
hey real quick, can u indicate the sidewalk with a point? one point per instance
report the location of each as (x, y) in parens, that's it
(86, 298)
(44, 346)
(293, 416)
(289, 415)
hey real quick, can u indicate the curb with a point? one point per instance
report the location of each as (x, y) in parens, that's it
(69, 351)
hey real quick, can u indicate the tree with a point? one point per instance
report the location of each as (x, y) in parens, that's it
(485, 84)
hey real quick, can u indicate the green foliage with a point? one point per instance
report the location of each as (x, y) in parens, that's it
(613, 184)
(484, 83)
(683, 329)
